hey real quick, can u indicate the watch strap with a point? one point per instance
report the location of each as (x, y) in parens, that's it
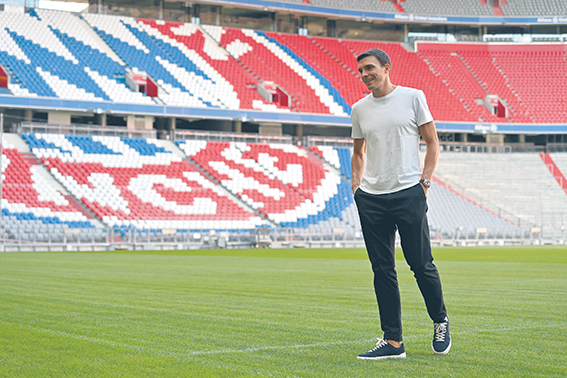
(426, 183)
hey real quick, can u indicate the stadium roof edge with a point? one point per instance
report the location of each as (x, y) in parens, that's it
(388, 17)
(56, 104)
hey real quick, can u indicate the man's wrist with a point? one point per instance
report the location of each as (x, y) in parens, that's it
(425, 182)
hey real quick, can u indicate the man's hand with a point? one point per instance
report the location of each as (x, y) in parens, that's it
(429, 134)
(358, 162)
(425, 189)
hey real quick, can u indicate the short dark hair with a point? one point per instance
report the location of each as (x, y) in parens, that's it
(382, 57)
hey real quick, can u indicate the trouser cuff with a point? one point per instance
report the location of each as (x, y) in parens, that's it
(393, 336)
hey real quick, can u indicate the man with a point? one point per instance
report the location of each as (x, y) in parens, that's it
(390, 191)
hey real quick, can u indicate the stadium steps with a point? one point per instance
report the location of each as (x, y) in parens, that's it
(80, 23)
(482, 85)
(554, 170)
(355, 74)
(470, 72)
(330, 167)
(234, 198)
(206, 34)
(74, 202)
(171, 146)
(18, 142)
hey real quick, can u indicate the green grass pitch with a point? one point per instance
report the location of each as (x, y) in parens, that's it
(275, 313)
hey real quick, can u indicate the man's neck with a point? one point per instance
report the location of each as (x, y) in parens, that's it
(383, 91)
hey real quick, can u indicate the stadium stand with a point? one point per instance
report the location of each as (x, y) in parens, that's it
(98, 61)
(88, 183)
(480, 8)
(145, 184)
(495, 179)
(346, 82)
(66, 64)
(560, 160)
(271, 61)
(516, 8)
(58, 54)
(463, 81)
(283, 182)
(453, 216)
(410, 70)
(34, 207)
(369, 5)
(494, 81)
(184, 78)
(447, 8)
(201, 44)
(543, 99)
(501, 70)
(139, 183)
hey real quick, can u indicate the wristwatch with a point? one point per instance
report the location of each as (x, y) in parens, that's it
(425, 183)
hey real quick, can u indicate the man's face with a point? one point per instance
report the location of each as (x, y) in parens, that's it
(372, 73)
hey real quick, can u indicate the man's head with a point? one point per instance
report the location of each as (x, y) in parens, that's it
(380, 55)
(374, 67)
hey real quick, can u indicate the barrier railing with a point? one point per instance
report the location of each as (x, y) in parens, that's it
(214, 136)
(327, 141)
(130, 239)
(73, 129)
(81, 129)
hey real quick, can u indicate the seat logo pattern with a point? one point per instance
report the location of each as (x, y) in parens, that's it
(280, 181)
(139, 183)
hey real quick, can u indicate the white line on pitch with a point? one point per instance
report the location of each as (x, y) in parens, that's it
(252, 349)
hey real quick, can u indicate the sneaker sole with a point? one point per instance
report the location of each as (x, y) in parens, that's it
(445, 351)
(403, 355)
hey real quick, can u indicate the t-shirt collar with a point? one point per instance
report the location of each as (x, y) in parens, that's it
(379, 99)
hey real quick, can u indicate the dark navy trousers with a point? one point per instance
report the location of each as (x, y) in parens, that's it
(380, 216)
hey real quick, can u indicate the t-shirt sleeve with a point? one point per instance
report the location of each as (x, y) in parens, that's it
(422, 113)
(356, 130)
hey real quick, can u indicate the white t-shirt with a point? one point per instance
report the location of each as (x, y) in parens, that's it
(390, 126)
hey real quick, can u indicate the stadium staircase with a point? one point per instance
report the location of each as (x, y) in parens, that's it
(202, 41)
(282, 182)
(226, 191)
(276, 63)
(463, 82)
(34, 207)
(554, 170)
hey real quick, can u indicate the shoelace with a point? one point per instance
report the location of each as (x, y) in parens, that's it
(440, 331)
(379, 344)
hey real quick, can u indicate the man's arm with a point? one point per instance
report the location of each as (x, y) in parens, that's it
(358, 162)
(429, 134)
